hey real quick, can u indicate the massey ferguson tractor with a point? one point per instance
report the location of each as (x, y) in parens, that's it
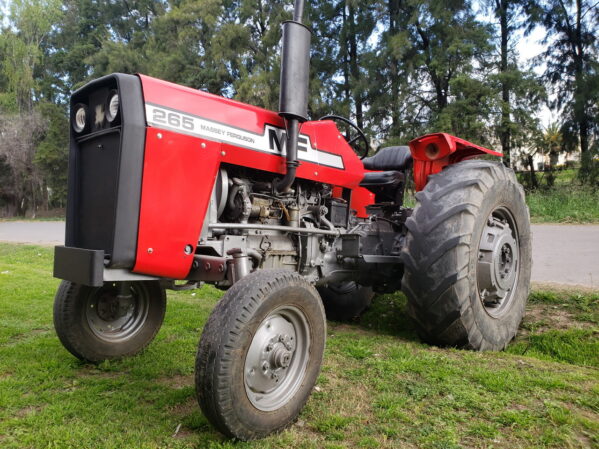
(170, 187)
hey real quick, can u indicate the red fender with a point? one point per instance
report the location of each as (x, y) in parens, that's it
(434, 151)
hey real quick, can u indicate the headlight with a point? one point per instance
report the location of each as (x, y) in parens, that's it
(80, 118)
(112, 110)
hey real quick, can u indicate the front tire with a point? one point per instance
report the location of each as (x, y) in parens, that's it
(260, 354)
(467, 257)
(109, 322)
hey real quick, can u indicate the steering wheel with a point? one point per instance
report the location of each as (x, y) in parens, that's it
(362, 150)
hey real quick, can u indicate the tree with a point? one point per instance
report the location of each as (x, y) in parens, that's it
(571, 61)
(22, 48)
(551, 143)
(22, 124)
(511, 17)
(20, 134)
(51, 155)
(342, 56)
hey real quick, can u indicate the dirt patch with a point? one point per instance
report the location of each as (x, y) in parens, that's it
(15, 339)
(177, 381)
(183, 432)
(185, 408)
(27, 411)
(541, 318)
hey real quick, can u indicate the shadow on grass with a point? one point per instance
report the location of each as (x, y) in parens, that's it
(388, 315)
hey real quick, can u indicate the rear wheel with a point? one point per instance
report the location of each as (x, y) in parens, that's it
(260, 354)
(344, 301)
(116, 320)
(467, 257)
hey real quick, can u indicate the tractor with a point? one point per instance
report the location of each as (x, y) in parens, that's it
(171, 187)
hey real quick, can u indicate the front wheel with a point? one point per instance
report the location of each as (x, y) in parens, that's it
(467, 257)
(260, 354)
(116, 320)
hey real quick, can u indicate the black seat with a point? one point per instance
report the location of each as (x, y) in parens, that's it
(387, 186)
(382, 178)
(389, 158)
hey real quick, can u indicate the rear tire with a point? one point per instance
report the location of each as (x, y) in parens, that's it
(260, 354)
(467, 257)
(99, 323)
(345, 301)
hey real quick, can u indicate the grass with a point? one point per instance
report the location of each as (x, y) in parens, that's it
(379, 386)
(564, 205)
(566, 202)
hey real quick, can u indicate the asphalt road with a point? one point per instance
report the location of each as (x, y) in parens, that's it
(562, 254)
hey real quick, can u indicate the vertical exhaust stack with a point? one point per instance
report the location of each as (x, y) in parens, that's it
(293, 99)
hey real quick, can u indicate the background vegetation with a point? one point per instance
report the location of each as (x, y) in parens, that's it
(379, 387)
(399, 68)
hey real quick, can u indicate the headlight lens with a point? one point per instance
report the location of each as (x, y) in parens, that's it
(113, 107)
(80, 118)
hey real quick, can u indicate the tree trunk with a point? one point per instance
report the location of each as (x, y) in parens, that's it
(533, 177)
(393, 10)
(504, 134)
(580, 96)
(346, 70)
(353, 66)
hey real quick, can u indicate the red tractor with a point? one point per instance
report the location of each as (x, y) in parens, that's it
(167, 183)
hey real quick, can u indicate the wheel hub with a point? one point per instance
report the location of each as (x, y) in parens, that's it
(276, 359)
(111, 307)
(498, 257)
(115, 312)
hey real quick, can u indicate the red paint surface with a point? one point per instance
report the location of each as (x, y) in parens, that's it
(360, 198)
(451, 150)
(177, 184)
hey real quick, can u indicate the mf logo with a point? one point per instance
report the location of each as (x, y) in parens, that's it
(277, 140)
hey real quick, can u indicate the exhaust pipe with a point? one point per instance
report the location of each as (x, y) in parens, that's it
(293, 98)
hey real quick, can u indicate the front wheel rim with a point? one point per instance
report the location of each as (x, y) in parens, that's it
(498, 263)
(277, 358)
(115, 314)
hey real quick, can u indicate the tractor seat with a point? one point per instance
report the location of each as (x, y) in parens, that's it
(389, 158)
(381, 178)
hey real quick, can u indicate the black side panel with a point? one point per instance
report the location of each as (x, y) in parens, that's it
(133, 143)
(82, 266)
(105, 171)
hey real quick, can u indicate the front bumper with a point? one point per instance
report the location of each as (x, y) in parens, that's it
(86, 266)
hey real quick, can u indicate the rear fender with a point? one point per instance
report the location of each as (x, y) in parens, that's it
(432, 152)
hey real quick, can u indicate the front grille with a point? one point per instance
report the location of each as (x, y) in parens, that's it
(99, 157)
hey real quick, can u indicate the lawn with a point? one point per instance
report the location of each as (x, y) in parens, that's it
(379, 387)
(567, 202)
(564, 205)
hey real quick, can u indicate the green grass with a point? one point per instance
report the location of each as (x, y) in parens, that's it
(379, 386)
(564, 205)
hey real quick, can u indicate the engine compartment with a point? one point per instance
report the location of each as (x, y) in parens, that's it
(311, 229)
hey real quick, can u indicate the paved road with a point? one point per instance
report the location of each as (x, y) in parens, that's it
(562, 254)
(40, 232)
